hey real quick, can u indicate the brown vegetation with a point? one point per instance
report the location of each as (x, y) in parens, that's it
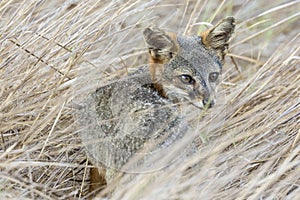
(54, 53)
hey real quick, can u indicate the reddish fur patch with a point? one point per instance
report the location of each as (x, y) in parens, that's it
(155, 70)
(156, 67)
(97, 179)
(203, 36)
(173, 36)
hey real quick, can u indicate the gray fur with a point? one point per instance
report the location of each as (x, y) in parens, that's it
(145, 110)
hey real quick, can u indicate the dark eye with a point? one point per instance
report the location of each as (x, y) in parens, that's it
(213, 77)
(187, 79)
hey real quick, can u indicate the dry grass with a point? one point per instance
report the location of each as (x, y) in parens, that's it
(53, 53)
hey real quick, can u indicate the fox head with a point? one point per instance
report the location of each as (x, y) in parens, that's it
(188, 69)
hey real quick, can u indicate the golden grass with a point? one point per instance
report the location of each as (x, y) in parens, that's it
(53, 53)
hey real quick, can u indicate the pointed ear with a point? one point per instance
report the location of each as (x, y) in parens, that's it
(162, 46)
(217, 37)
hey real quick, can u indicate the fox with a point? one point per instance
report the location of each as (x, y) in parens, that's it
(145, 107)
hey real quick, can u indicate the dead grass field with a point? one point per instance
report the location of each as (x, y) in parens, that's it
(54, 53)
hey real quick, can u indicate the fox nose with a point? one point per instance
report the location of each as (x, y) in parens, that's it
(208, 103)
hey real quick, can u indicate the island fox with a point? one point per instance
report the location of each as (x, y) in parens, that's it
(144, 108)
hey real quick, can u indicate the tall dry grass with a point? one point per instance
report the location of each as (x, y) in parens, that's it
(53, 53)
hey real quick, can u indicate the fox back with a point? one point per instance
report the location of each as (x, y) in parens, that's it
(144, 108)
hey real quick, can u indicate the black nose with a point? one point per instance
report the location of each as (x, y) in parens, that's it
(208, 103)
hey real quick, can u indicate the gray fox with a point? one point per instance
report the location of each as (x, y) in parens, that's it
(144, 108)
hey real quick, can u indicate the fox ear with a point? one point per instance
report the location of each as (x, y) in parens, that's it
(218, 36)
(162, 46)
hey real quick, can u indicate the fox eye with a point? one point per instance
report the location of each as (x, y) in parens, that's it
(187, 79)
(213, 77)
